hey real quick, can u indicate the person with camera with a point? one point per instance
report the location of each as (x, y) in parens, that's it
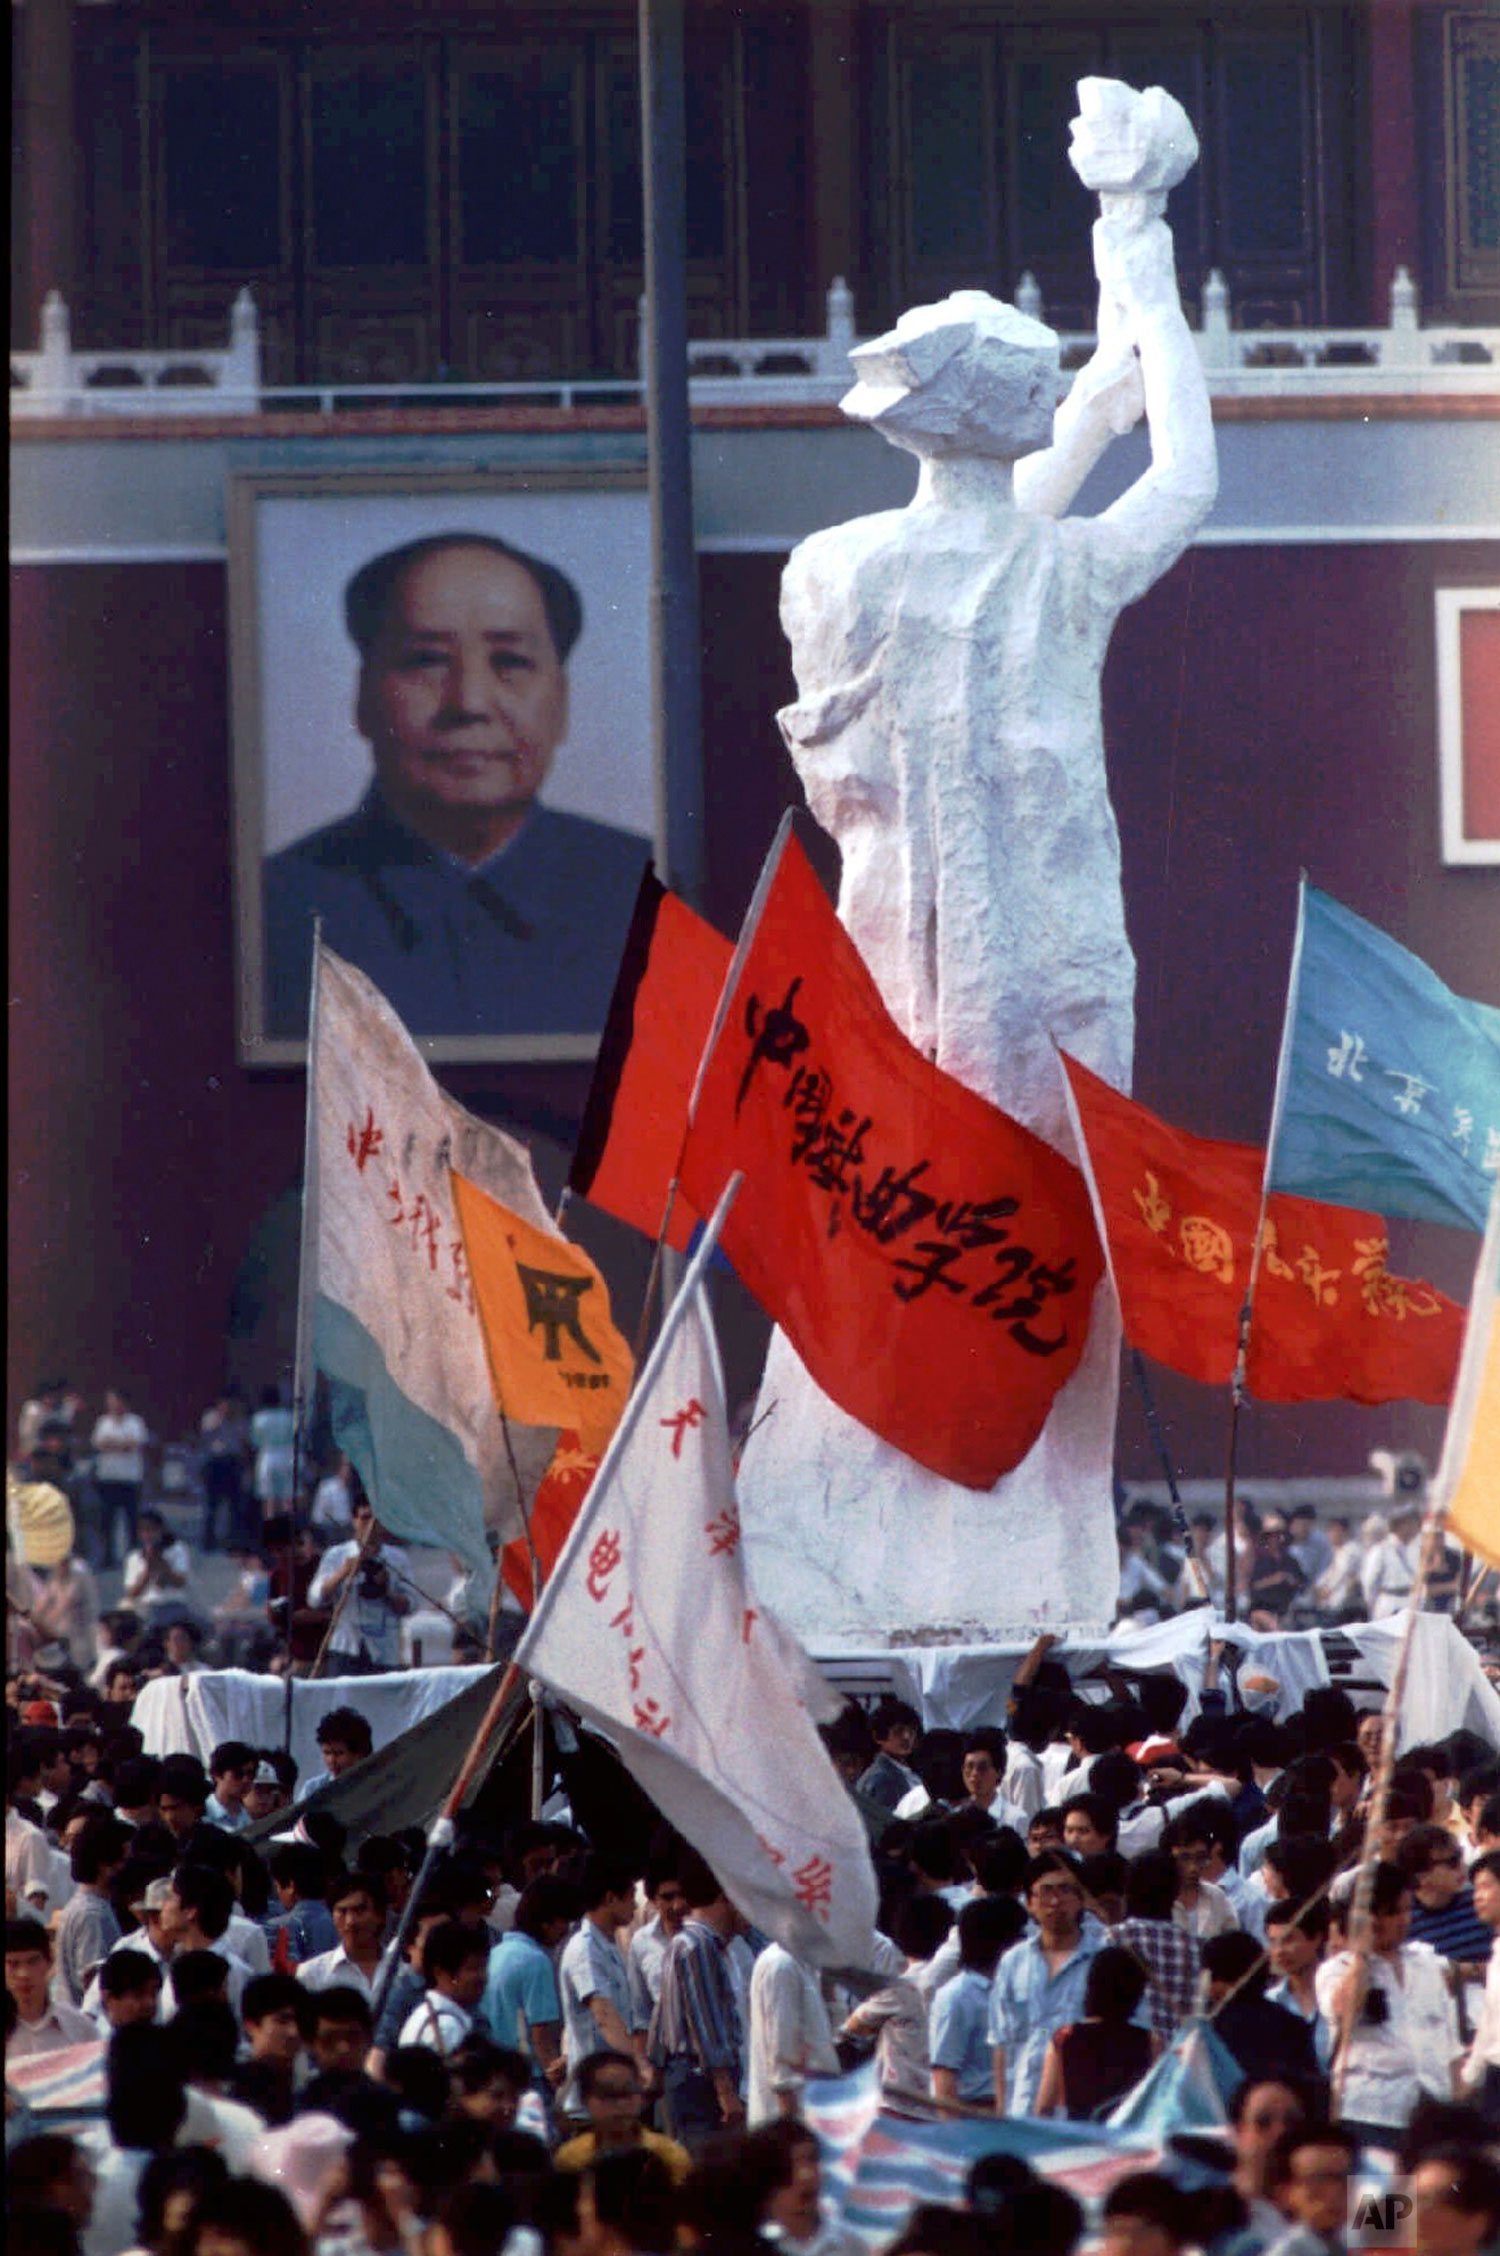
(1402, 2042)
(366, 1582)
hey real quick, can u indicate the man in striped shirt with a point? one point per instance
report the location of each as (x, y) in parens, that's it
(695, 2037)
(1442, 1911)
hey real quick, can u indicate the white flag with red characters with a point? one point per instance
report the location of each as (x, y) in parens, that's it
(649, 1627)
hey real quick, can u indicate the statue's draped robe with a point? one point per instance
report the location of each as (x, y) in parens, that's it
(948, 734)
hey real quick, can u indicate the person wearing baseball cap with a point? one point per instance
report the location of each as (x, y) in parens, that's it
(146, 1902)
(263, 1795)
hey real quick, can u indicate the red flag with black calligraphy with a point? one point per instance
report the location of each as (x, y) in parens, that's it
(1330, 1321)
(932, 1261)
(668, 987)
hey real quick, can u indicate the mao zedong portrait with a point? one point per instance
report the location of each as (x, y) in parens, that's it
(475, 908)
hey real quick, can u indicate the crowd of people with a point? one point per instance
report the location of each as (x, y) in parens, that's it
(1293, 1570)
(240, 1460)
(292, 1555)
(575, 2044)
(581, 2048)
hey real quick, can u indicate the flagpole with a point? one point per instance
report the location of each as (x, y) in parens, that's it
(1242, 1351)
(1357, 1925)
(525, 1519)
(441, 1837)
(748, 929)
(1231, 1556)
(343, 1599)
(1137, 1364)
(307, 1220)
(1154, 1428)
(302, 1348)
(1463, 1410)
(1439, 1497)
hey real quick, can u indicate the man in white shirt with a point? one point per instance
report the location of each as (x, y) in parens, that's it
(1390, 1569)
(1202, 1909)
(333, 1503)
(231, 1766)
(455, 1962)
(43, 2025)
(358, 1908)
(1408, 2045)
(790, 2038)
(157, 1574)
(648, 1946)
(367, 1582)
(28, 1855)
(119, 1443)
(983, 1769)
(1337, 1590)
(195, 1916)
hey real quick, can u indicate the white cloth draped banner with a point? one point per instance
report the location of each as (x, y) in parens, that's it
(189, 1715)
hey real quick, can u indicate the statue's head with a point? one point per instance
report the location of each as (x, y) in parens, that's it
(1125, 143)
(968, 376)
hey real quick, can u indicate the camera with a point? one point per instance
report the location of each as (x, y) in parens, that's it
(1401, 1472)
(1376, 2010)
(374, 1581)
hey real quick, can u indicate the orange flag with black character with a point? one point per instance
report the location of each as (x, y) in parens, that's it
(1330, 1322)
(555, 1356)
(932, 1261)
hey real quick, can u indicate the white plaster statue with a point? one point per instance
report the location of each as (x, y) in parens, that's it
(947, 731)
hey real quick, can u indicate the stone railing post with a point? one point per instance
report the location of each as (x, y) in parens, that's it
(838, 342)
(1029, 296)
(1403, 345)
(54, 366)
(1217, 346)
(242, 362)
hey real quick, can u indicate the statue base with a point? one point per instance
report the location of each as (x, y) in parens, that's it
(856, 1547)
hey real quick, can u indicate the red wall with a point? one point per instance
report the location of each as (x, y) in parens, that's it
(1265, 708)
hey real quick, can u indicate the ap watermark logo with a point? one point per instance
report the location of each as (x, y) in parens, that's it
(1383, 2217)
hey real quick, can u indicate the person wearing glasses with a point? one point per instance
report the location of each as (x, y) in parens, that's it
(1442, 1911)
(1041, 1982)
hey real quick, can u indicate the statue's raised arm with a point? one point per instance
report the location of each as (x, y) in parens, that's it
(1131, 149)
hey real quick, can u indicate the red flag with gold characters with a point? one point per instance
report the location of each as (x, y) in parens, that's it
(671, 974)
(932, 1262)
(554, 1508)
(1330, 1321)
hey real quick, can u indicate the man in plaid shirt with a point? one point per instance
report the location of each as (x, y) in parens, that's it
(1169, 1954)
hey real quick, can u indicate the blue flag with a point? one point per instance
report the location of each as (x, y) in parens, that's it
(1388, 1091)
(1188, 2089)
